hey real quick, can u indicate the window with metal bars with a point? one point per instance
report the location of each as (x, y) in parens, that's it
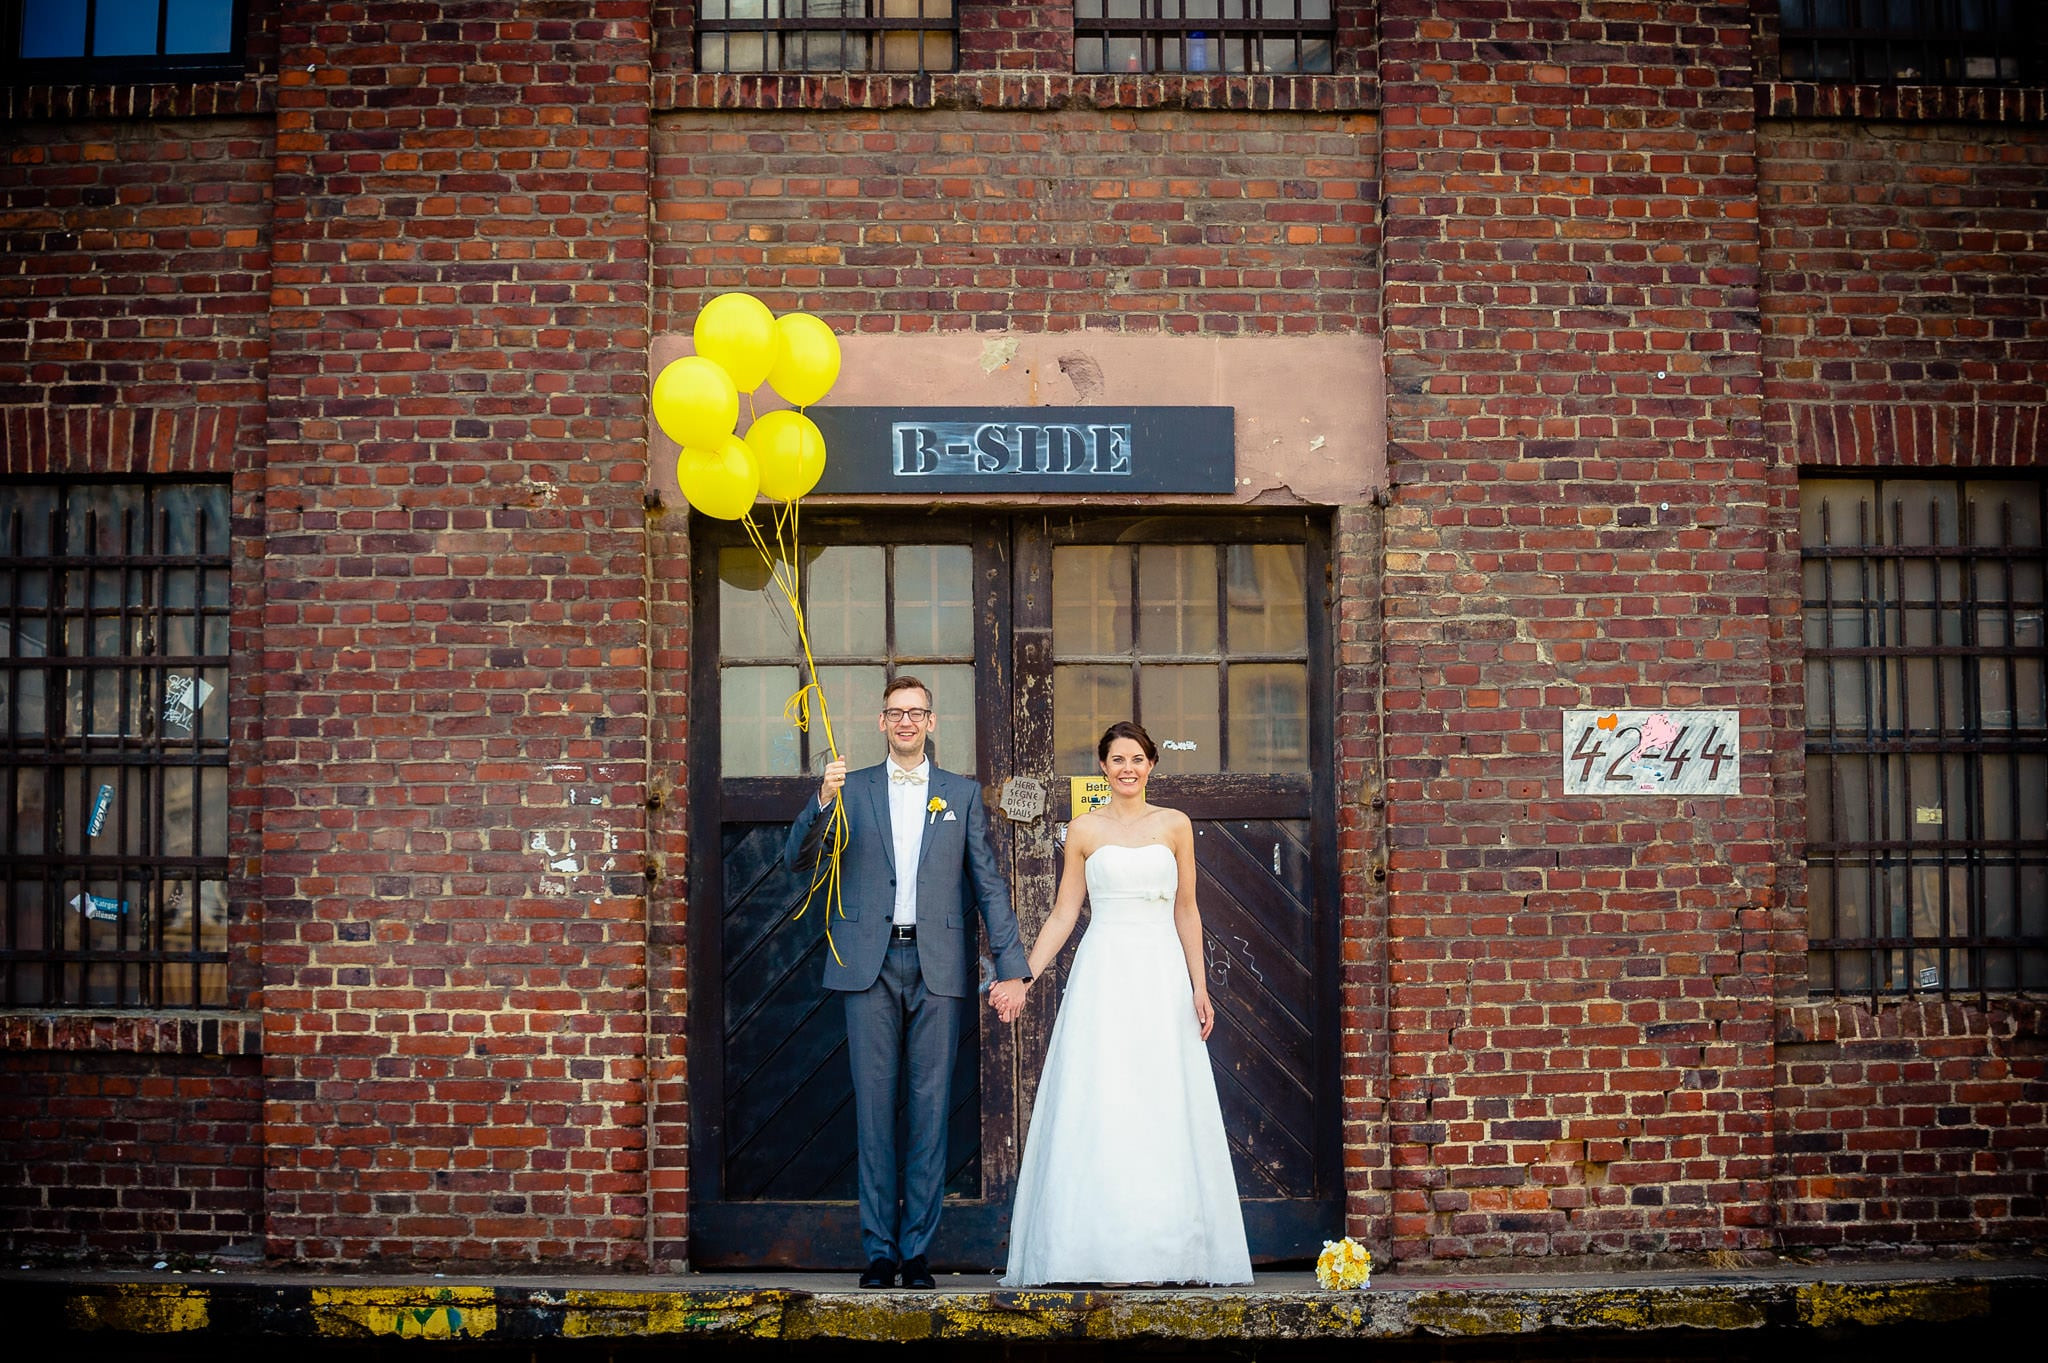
(122, 40)
(1245, 37)
(113, 744)
(1914, 42)
(826, 35)
(1926, 734)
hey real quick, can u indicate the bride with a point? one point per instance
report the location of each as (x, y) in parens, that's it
(1126, 1175)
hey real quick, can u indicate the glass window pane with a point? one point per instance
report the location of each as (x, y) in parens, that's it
(124, 28)
(843, 603)
(754, 620)
(53, 28)
(1269, 717)
(754, 736)
(1086, 699)
(954, 741)
(1267, 593)
(199, 26)
(1091, 600)
(934, 600)
(853, 695)
(1177, 598)
(1180, 707)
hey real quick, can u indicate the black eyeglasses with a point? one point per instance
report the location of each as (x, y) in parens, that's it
(898, 716)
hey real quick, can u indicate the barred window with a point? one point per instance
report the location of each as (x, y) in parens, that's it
(1926, 734)
(122, 40)
(826, 35)
(1236, 36)
(113, 744)
(1914, 42)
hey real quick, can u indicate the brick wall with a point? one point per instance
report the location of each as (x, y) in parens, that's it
(133, 323)
(1906, 290)
(1916, 1127)
(1579, 988)
(456, 746)
(1165, 221)
(127, 1138)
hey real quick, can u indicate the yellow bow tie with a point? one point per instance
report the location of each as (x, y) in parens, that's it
(898, 776)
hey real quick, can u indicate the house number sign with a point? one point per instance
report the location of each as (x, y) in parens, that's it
(1652, 752)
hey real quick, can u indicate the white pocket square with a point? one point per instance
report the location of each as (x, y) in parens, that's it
(949, 817)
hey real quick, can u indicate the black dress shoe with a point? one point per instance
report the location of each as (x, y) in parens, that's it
(916, 1273)
(880, 1273)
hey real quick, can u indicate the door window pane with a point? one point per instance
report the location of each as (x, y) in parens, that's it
(934, 599)
(753, 615)
(1086, 699)
(843, 595)
(853, 696)
(954, 741)
(1269, 717)
(1180, 705)
(1177, 598)
(1091, 600)
(754, 736)
(1267, 598)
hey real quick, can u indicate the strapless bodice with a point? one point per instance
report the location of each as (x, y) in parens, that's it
(1131, 884)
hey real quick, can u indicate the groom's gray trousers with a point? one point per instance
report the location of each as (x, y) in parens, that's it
(893, 1025)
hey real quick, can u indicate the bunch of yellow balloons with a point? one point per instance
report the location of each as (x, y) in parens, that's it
(740, 346)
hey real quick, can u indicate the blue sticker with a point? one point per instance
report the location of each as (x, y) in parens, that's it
(104, 910)
(100, 807)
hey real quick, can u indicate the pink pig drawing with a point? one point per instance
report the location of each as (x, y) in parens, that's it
(1658, 735)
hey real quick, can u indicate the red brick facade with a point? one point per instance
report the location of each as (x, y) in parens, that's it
(401, 286)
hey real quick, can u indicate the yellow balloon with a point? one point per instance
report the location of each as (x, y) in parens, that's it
(791, 452)
(695, 402)
(737, 332)
(809, 365)
(720, 482)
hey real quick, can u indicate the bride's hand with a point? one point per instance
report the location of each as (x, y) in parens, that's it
(1204, 1014)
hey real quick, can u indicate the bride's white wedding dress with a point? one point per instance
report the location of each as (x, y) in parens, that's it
(1126, 1175)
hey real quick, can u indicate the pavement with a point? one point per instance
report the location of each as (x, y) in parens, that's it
(1831, 1302)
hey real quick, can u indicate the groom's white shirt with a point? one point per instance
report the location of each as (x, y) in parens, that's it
(906, 827)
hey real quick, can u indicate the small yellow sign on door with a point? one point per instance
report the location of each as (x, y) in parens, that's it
(1089, 791)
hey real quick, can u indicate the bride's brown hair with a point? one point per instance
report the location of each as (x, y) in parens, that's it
(1126, 728)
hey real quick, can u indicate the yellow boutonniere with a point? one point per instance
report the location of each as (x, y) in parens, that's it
(935, 807)
(1344, 1264)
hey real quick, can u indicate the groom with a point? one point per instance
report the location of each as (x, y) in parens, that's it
(916, 861)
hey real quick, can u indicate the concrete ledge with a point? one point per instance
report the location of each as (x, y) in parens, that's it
(190, 1308)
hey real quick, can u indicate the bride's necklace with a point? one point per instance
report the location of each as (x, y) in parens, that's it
(1144, 813)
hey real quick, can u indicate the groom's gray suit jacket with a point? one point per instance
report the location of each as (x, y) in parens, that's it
(956, 874)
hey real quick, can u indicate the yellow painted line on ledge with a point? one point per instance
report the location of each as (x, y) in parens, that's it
(138, 1308)
(1822, 1305)
(404, 1312)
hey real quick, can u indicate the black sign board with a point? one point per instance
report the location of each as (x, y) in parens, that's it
(1027, 449)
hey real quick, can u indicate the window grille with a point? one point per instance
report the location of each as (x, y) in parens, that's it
(113, 744)
(53, 41)
(1926, 735)
(1248, 37)
(1914, 42)
(826, 35)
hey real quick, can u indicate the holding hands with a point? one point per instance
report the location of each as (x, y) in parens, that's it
(1007, 998)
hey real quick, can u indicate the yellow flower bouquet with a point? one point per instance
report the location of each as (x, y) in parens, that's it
(1344, 1264)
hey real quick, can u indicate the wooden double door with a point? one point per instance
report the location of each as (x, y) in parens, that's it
(1034, 632)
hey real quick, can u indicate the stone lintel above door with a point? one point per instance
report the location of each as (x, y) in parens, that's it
(1311, 410)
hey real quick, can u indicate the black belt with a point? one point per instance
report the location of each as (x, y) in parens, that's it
(903, 932)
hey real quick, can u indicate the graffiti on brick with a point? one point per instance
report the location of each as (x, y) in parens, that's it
(1652, 752)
